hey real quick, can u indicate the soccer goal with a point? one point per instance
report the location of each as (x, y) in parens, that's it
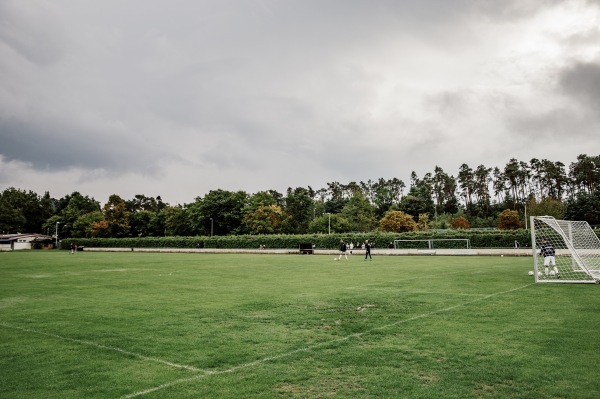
(564, 251)
(446, 243)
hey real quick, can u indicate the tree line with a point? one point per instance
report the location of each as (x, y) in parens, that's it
(481, 197)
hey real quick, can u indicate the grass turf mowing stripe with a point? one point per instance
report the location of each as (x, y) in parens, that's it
(318, 346)
(104, 347)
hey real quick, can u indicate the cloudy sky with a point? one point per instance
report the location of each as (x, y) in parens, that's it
(179, 97)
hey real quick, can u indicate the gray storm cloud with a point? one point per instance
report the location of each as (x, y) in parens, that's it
(197, 95)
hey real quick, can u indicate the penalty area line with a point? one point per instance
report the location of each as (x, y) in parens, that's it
(104, 347)
(317, 346)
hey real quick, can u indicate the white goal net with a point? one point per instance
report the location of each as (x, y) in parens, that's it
(564, 251)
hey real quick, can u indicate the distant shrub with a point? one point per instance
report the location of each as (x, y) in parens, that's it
(509, 220)
(460, 223)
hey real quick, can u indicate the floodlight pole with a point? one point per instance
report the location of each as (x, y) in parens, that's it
(56, 234)
(211, 227)
(525, 216)
(329, 223)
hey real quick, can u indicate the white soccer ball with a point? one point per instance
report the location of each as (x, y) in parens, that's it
(334, 258)
(530, 273)
(552, 272)
(540, 274)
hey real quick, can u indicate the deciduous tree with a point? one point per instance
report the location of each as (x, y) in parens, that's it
(460, 223)
(299, 206)
(116, 216)
(88, 226)
(265, 219)
(359, 213)
(509, 220)
(398, 222)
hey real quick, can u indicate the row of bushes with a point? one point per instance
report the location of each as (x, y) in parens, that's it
(479, 239)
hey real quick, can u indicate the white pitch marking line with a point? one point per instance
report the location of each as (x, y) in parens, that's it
(100, 346)
(316, 346)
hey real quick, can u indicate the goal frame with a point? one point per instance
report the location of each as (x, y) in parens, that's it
(577, 250)
(432, 241)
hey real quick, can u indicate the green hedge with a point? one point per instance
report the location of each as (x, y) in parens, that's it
(479, 239)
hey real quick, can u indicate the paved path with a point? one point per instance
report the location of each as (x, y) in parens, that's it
(359, 252)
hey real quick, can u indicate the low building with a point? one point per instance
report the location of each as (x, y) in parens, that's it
(14, 242)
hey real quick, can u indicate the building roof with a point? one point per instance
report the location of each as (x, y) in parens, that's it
(4, 238)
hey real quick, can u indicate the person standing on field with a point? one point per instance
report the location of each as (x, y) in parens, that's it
(367, 246)
(547, 251)
(343, 250)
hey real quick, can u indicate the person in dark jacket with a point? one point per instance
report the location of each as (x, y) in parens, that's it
(343, 249)
(367, 246)
(547, 251)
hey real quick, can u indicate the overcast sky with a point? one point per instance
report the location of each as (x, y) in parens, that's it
(179, 97)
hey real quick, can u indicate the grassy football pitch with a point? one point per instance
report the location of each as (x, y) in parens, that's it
(150, 325)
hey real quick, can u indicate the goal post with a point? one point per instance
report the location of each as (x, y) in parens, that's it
(564, 251)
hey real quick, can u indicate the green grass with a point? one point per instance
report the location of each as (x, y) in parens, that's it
(123, 325)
